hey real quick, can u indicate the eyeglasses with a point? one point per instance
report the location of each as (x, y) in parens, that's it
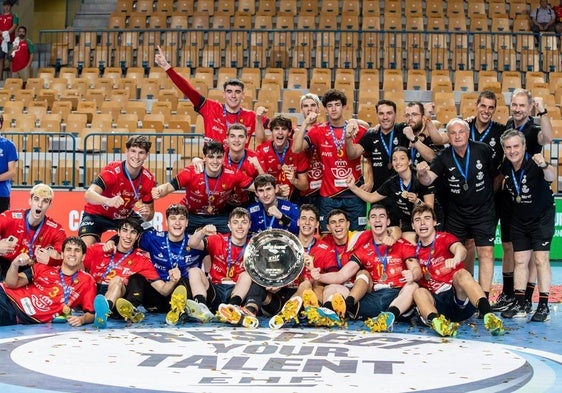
(408, 115)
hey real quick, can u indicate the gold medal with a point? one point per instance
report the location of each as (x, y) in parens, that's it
(384, 277)
(404, 194)
(209, 209)
(340, 153)
(138, 204)
(66, 310)
(427, 276)
(211, 199)
(230, 272)
(518, 199)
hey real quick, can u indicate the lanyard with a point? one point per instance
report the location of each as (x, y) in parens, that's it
(281, 157)
(135, 189)
(517, 183)
(229, 255)
(464, 173)
(379, 255)
(264, 214)
(388, 148)
(34, 237)
(429, 256)
(66, 289)
(239, 162)
(174, 258)
(402, 187)
(113, 264)
(338, 143)
(237, 114)
(310, 245)
(483, 137)
(208, 189)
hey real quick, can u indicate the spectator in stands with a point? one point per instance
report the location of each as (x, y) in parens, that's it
(528, 178)
(8, 23)
(218, 117)
(277, 158)
(8, 160)
(468, 172)
(22, 55)
(120, 187)
(208, 191)
(558, 12)
(542, 18)
(329, 139)
(31, 231)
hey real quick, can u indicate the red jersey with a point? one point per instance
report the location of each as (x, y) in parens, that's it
(114, 181)
(227, 259)
(6, 23)
(384, 264)
(44, 297)
(21, 54)
(240, 196)
(324, 258)
(48, 233)
(272, 162)
(336, 167)
(314, 171)
(208, 195)
(103, 267)
(435, 275)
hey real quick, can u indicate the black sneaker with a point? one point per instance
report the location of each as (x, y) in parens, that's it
(528, 306)
(541, 314)
(503, 303)
(516, 310)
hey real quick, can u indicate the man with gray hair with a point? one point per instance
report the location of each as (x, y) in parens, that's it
(468, 172)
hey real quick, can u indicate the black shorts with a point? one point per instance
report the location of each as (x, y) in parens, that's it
(95, 225)
(447, 304)
(482, 229)
(536, 235)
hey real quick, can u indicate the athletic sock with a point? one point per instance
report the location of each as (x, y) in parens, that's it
(508, 284)
(543, 298)
(529, 291)
(395, 310)
(483, 305)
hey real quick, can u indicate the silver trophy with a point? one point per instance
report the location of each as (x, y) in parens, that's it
(274, 258)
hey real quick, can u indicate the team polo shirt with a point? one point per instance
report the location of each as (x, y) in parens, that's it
(104, 266)
(436, 277)
(114, 181)
(43, 298)
(227, 258)
(529, 191)
(378, 149)
(477, 200)
(206, 195)
(337, 167)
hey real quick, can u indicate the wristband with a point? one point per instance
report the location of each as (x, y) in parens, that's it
(541, 114)
(415, 139)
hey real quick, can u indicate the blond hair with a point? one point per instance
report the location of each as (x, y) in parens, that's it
(43, 191)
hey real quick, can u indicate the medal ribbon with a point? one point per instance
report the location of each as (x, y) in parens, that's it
(464, 173)
(281, 157)
(388, 148)
(264, 214)
(517, 183)
(135, 189)
(113, 265)
(483, 137)
(310, 245)
(174, 258)
(431, 247)
(338, 143)
(402, 188)
(239, 162)
(225, 112)
(229, 260)
(66, 289)
(379, 255)
(34, 237)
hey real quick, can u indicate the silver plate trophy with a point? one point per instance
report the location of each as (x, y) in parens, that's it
(274, 258)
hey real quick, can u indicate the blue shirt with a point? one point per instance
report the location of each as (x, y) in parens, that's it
(8, 154)
(156, 244)
(261, 221)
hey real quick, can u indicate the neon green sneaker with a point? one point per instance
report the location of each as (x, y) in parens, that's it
(199, 311)
(493, 324)
(444, 327)
(177, 305)
(384, 322)
(129, 312)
